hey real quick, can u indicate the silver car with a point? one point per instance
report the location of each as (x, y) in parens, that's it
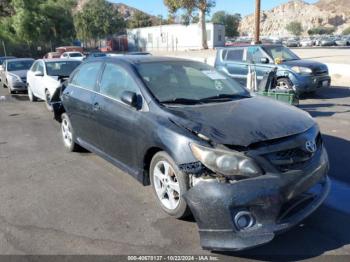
(14, 74)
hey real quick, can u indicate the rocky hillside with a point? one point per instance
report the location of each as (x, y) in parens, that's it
(328, 13)
(125, 10)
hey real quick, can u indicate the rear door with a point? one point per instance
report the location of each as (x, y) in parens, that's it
(235, 63)
(78, 100)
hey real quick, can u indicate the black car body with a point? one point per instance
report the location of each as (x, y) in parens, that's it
(233, 210)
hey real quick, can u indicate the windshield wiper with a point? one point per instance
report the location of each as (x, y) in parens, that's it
(223, 97)
(184, 101)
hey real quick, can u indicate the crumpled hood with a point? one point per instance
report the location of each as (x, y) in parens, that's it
(244, 121)
(306, 63)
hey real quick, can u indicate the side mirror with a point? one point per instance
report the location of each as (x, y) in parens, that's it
(38, 73)
(130, 98)
(264, 60)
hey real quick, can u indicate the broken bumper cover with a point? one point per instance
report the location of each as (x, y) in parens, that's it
(274, 203)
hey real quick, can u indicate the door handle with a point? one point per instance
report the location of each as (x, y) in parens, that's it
(96, 106)
(65, 95)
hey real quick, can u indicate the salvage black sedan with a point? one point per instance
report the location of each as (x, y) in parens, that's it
(246, 167)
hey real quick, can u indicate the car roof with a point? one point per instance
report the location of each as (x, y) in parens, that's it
(20, 59)
(139, 59)
(70, 52)
(57, 60)
(247, 45)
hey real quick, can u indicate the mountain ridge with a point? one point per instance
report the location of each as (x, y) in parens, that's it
(326, 13)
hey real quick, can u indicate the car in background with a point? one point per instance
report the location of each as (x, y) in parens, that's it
(343, 41)
(3, 58)
(291, 43)
(73, 55)
(95, 55)
(14, 74)
(326, 41)
(305, 42)
(52, 55)
(293, 73)
(198, 138)
(46, 75)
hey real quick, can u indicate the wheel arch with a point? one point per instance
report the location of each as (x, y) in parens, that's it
(150, 153)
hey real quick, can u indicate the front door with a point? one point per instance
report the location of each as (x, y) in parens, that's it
(259, 61)
(118, 122)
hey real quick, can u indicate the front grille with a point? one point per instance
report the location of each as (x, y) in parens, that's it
(320, 71)
(292, 158)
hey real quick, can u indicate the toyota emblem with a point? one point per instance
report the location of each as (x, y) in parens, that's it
(310, 146)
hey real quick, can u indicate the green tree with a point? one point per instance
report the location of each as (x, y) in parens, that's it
(231, 22)
(321, 30)
(97, 19)
(346, 31)
(294, 28)
(140, 19)
(190, 6)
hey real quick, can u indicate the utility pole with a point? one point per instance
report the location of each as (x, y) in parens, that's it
(257, 21)
(3, 45)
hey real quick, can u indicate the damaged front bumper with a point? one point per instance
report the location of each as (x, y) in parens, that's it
(270, 204)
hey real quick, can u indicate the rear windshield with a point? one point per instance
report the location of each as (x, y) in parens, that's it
(58, 68)
(75, 55)
(19, 65)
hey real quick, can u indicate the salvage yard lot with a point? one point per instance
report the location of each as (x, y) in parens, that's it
(54, 202)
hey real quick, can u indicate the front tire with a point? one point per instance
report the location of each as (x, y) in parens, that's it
(48, 100)
(169, 185)
(284, 84)
(32, 97)
(68, 135)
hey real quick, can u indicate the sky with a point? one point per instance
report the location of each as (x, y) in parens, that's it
(244, 7)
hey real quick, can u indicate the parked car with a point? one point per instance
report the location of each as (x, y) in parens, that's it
(46, 75)
(73, 55)
(3, 58)
(52, 55)
(327, 41)
(302, 76)
(14, 74)
(95, 54)
(344, 41)
(306, 42)
(244, 166)
(292, 43)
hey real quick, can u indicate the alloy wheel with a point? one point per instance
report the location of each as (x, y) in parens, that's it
(166, 185)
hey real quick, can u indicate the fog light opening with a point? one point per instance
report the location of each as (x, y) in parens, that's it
(243, 220)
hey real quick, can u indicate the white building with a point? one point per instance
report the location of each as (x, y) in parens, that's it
(174, 37)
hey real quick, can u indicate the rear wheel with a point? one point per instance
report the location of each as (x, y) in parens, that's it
(68, 135)
(48, 100)
(169, 185)
(32, 97)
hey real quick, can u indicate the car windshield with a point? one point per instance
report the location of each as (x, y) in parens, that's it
(61, 68)
(186, 82)
(280, 52)
(19, 65)
(98, 55)
(75, 55)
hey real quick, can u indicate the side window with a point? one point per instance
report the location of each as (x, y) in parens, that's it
(87, 76)
(255, 54)
(40, 67)
(35, 67)
(115, 80)
(236, 54)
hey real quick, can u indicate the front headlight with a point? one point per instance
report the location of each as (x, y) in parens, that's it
(14, 78)
(228, 163)
(302, 70)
